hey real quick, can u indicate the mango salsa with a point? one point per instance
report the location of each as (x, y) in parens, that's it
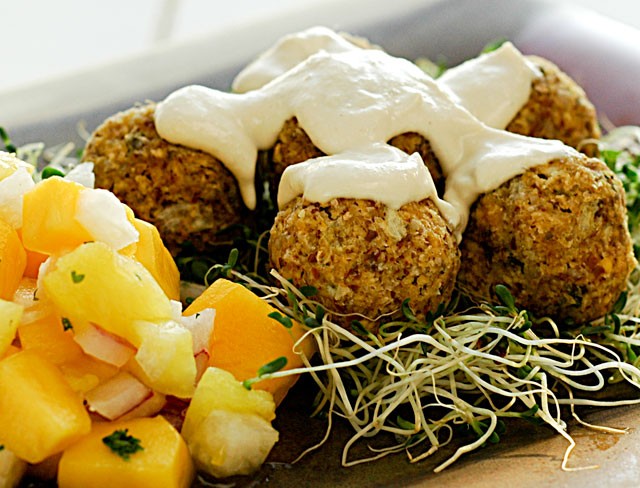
(227, 427)
(33, 388)
(10, 315)
(163, 459)
(93, 283)
(49, 224)
(13, 260)
(243, 329)
(154, 256)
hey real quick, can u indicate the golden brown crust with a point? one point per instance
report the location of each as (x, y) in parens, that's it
(189, 195)
(364, 257)
(558, 108)
(556, 236)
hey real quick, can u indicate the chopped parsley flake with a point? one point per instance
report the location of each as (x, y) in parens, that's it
(66, 324)
(77, 278)
(122, 444)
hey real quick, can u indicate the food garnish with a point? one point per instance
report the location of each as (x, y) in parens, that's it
(122, 444)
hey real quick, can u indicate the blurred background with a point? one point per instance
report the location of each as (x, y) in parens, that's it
(43, 39)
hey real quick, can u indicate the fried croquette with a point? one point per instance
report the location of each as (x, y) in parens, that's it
(365, 258)
(558, 108)
(187, 194)
(556, 236)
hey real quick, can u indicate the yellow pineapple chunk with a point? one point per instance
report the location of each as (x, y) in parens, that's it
(10, 315)
(13, 260)
(33, 389)
(227, 427)
(94, 283)
(165, 356)
(163, 461)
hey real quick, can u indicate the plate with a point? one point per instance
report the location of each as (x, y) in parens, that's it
(602, 55)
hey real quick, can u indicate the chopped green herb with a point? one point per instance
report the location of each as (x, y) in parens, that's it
(122, 444)
(66, 324)
(1, 447)
(76, 277)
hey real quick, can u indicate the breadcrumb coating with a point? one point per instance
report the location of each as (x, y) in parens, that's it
(187, 194)
(365, 258)
(558, 108)
(556, 236)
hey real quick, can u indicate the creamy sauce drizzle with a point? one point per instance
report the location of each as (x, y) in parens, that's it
(383, 173)
(288, 52)
(348, 100)
(493, 86)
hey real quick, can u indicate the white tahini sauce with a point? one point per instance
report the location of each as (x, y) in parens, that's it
(383, 173)
(349, 100)
(286, 53)
(494, 86)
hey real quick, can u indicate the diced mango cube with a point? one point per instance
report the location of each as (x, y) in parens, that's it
(10, 315)
(41, 414)
(94, 283)
(163, 461)
(49, 223)
(154, 256)
(13, 260)
(243, 329)
(47, 338)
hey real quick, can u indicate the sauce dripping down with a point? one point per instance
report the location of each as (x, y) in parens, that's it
(346, 100)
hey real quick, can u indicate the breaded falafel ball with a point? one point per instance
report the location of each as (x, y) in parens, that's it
(187, 194)
(294, 146)
(556, 236)
(558, 108)
(365, 258)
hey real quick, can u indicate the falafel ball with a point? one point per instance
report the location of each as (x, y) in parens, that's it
(189, 195)
(556, 236)
(294, 146)
(558, 108)
(365, 258)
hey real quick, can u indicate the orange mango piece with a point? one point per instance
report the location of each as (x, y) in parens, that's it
(163, 461)
(13, 260)
(243, 329)
(47, 338)
(49, 220)
(154, 256)
(41, 414)
(34, 260)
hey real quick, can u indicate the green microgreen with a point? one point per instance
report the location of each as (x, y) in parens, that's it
(283, 319)
(493, 45)
(50, 171)
(265, 370)
(8, 145)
